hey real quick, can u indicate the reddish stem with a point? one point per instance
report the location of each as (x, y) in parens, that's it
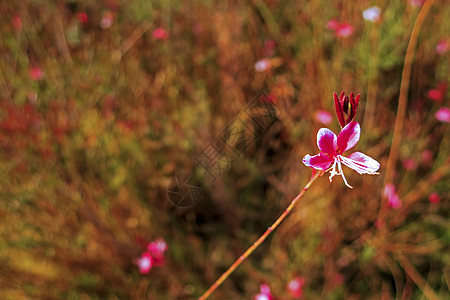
(255, 245)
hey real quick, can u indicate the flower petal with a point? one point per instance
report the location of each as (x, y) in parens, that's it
(327, 141)
(348, 137)
(318, 162)
(361, 163)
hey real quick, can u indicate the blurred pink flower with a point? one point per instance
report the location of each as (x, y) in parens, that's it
(332, 148)
(145, 263)
(82, 17)
(107, 20)
(372, 14)
(409, 164)
(379, 223)
(36, 73)
(262, 65)
(435, 95)
(264, 294)
(333, 24)
(443, 115)
(341, 30)
(295, 287)
(157, 249)
(16, 22)
(160, 34)
(442, 47)
(426, 156)
(434, 198)
(391, 195)
(323, 117)
(269, 46)
(338, 279)
(153, 257)
(416, 2)
(344, 30)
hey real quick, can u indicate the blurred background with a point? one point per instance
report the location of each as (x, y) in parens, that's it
(124, 122)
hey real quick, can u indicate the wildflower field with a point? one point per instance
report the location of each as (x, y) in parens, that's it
(146, 145)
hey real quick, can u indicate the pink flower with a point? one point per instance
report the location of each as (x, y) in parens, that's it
(372, 14)
(269, 46)
(145, 263)
(442, 47)
(36, 73)
(416, 2)
(338, 279)
(379, 223)
(262, 65)
(82, 17)
(341, 30)
(409, 164)
(434, 198)
(153, 257)
(391, 195)
(264, 294)
(435, 95)
(107, 20)
(160, 34)
(156, 250)
(333, 147)
(295, 287)
(443, 115)
(426, 156)
(333, 24)
(17, 22)
(323, 117)
(344, 30)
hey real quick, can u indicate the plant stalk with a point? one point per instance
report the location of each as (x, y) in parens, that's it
(261, 239)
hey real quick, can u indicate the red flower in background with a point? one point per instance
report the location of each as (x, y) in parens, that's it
(442, 47)
(16, 22)
(438, 93)
(434, 198)
(295, 287)
(36, 73)
(156, 250)
(443, 115)
(160, 34)
(145, 263)
(341, 30)
(107, 20)
(344, 30)
(264, 294)
(82, 17)
(153, 257)
(323, 117)
(391, 195)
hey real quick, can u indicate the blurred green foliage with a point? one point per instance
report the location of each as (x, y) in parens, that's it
(89, 148)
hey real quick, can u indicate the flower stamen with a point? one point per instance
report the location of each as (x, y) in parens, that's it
(342, 173)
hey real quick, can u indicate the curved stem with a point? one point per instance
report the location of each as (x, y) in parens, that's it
(404, 87)
(255, 245)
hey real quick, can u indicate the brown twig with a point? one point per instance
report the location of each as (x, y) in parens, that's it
(417, 278)
(404, 87)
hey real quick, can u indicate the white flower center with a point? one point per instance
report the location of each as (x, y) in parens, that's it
(337, 165)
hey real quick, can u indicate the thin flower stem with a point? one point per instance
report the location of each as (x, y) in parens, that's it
(404, 87)
(261, 239)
